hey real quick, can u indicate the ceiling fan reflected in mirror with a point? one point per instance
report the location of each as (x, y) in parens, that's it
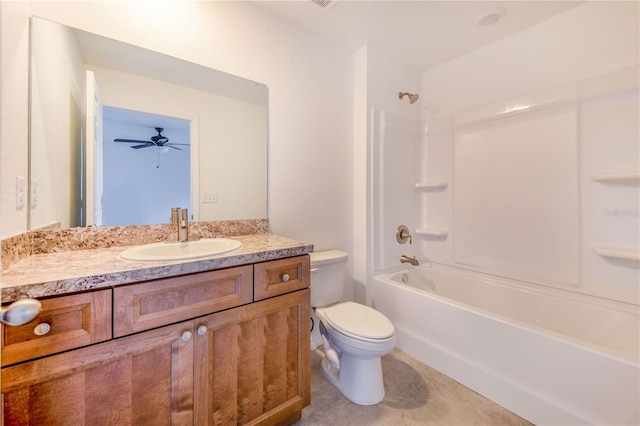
(158, 140)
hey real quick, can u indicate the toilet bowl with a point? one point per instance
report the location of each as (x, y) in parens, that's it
(358, 345)
(354, 336)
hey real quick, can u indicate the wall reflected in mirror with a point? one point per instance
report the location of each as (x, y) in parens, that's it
(226, 118)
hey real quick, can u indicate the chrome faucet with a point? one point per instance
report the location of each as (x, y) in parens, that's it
(183, 225)
(407, 259)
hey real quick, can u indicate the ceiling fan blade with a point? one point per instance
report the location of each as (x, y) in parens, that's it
(130, 141)
(171, 143)
(172, 147)
(145, 145)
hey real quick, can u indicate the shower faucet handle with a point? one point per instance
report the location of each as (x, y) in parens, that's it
(403, 234)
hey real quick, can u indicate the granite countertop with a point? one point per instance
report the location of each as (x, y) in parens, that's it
(52, 274)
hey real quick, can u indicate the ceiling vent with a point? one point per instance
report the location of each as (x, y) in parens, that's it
(324, 4)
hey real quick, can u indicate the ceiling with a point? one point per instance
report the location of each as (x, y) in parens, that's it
(421, 33)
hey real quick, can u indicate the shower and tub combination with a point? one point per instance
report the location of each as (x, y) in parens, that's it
(524, 220)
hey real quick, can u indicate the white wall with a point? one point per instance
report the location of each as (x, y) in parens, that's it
(14, 126)
(310, 97)
(529, 209)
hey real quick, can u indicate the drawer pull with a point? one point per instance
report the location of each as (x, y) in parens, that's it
(285, 277)
(202, 330)
(186, 335)
(42, 329)
(20, 312)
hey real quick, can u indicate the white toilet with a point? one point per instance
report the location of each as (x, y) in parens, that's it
(354, 336)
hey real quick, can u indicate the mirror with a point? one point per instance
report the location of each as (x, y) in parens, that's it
(225, 116)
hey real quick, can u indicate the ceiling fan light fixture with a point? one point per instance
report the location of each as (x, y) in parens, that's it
(163, 149)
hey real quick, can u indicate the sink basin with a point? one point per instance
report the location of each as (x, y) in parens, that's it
(179, 251)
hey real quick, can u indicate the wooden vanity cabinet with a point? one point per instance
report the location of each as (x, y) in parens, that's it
(248, 364)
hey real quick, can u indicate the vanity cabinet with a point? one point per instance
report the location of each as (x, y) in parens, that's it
(195, 349)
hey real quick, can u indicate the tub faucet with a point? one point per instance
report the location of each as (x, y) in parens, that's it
(183, 225)
(407, 259)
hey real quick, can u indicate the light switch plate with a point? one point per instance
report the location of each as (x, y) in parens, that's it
(209, 197)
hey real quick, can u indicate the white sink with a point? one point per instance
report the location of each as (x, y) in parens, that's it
(179, 251)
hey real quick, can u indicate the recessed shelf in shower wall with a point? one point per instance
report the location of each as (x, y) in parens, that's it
(615, 252)
(431, 186)
(432, 232)
(631, 177)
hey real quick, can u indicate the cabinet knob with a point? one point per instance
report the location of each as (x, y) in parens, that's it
(41, 329)
(285, 277)
(202, 330)
(20, 312)
(186, 335)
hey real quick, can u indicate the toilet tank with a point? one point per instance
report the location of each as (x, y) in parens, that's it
(328, 274)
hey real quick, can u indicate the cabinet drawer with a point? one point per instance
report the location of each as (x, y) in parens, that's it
(155, 303)
(280, 276)
(73, 321)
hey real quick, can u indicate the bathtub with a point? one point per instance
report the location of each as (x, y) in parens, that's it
(550, 356)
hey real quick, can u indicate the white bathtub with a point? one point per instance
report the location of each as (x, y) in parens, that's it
(550, 356)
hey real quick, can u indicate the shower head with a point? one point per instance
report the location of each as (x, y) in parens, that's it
(412, 98)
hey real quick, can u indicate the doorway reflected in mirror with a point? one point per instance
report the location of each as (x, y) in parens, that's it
(144, 178)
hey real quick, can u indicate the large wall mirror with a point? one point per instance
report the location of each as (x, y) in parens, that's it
(129, 132)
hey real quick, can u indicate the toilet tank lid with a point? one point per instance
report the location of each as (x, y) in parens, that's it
(328, 256)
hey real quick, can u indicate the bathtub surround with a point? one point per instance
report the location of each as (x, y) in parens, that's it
(520, 155)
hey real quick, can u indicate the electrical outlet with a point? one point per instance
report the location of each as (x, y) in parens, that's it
(33, 187)
(20, 192)
(209, 197)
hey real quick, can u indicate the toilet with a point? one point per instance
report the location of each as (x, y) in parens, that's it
(354, 336)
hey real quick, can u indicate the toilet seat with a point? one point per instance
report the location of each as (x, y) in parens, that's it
(359, 322)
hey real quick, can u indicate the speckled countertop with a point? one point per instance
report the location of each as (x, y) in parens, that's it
(51, 274)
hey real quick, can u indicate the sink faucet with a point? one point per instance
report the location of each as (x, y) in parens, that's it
(183, 225)
(407, 259)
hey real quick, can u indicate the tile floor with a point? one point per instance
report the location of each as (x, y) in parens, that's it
(415, 395)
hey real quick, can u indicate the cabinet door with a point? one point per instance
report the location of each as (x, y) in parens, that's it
(252, 363)
(138, 380)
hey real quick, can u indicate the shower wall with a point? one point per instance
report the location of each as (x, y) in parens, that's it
(531, 156)
(383, 196)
